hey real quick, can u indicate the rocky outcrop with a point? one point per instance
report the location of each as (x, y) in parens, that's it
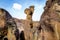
(7, 26)
(50, 21)
(26, 27)
(15, 29)
(29, 12)
(47, 29)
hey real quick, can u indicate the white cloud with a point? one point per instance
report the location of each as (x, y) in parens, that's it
(17, 6)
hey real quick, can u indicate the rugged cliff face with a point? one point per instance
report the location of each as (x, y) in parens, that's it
(7, 25)
(50, 21)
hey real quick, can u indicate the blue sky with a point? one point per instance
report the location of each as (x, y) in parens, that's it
(16, 7)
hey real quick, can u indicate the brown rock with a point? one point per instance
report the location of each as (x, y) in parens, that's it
(50, 21)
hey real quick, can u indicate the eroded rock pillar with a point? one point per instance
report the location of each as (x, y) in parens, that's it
(29, 12)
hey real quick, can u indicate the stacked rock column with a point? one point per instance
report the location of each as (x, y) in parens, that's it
(29, 12)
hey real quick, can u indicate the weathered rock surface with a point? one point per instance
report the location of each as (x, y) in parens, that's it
(26, 27)
(47, 29)
(7, 26)
(11, 28)
(50, 21)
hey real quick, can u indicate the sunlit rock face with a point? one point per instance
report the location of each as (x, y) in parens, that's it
(50, 21)
(4, 15)
(7, 25)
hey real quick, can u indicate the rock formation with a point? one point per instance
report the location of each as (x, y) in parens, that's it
(47, 29)
(16, 29)
(50, 21)
(7, 26)
(27, 30)
(29, 13)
